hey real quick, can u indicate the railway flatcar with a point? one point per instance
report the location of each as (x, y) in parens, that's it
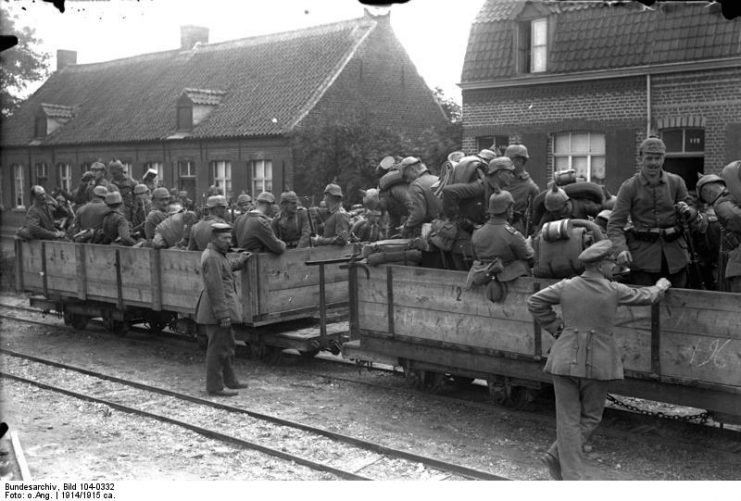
(125, 286)
(685, 350)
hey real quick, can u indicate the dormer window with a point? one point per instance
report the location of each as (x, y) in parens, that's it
(50, 117)
(533, 45)
(194, 105)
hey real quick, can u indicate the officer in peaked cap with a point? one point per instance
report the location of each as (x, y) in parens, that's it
(218, 308)
(337, 224)
(115, 227)
(585, 356)
(653, 246)
(497, 239)
(253, 231)
(292, 222)
(523, 188)
(200, 233)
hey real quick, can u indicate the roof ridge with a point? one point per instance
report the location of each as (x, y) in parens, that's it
(230, 44)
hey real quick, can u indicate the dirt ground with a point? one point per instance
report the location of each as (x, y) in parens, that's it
(65, 438)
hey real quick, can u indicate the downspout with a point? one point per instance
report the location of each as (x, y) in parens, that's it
(648, 104)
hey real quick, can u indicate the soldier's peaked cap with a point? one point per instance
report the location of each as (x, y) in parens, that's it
(220, 228)
(597, 252)
(333, 189)
(267, 197)
(216, 201)
(652, 145)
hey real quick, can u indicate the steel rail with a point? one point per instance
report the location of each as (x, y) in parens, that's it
(463, 471)
(197, 429)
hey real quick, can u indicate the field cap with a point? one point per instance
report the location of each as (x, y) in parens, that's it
(288, 196)
(140, 189)
(266, 197)
(216, 201)
(244, 198)
(652, 145)
(220, 228)
(333, 189)
(408, 162)
(597, 252)
(161, 193)
(97, 166)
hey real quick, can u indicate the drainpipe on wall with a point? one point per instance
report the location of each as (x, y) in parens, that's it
(648, 104)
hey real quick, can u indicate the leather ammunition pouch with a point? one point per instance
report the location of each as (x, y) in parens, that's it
(482, 272)
(669, 234)
(443, 234)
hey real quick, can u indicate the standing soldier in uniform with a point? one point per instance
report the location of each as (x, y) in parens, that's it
(423, 205)
(80, 196)
(655, 246)
(125, 185)
(160, 202)
(497, 239)
(39, 222)
(100, 178)
(337, 225)
(558, 205)
(522, 187)
(254, 232)
(90, 216)
(200, 233)
(244, 204)
(218, 308)
(728, 210)
(142, 206)
(116, 229)
(585, 356)
(292, 223)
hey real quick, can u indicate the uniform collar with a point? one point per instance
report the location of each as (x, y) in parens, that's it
(662, 178)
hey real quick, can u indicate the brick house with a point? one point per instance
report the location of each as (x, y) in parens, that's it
(208, 114)
(582, 84)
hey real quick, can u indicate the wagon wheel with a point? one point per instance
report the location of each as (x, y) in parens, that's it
(117, 327)
(156, 321)
(521, 398)
(78, 322)
(427, 381)
(202, 341)
(270, 355)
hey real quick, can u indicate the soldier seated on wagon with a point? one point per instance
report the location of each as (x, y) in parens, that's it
(116, 229)
(337, 225)
(175, 229)
(253, 231)
(39, 223)
(292, 222)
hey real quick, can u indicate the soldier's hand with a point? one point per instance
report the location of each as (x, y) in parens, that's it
(244, 257)
(225, 323)
(687, 212)
(625, 258)
(59, 234)
(663, 283)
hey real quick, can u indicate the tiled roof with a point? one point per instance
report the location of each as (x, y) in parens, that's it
(57, 111)
(596, 35)
(204, 96)
(268, 83)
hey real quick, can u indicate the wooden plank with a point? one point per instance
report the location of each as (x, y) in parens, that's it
(181, 279)
(32, 269)
(303, 298)
(44, 279)
(702, 358)
(248, 289)
(390, 298)
(678, 316)
(81, 275)
(61, 268)
(156, 279)
(100, 269)
(288, 270)
(137, 271)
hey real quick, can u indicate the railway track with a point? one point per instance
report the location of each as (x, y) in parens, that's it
(622, 424)
(340, 455)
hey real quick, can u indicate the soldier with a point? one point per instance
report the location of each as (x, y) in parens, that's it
(80, 196)
(728, 210)
(150, 180)
(254, 232)
(522, 187)
(39, 223)
(292, 223)
(369, 228)
(497, 239)
(100, 178)
(585, 356)
(142, 206)
(160, 202)
(244, 204)
(337, 224)
(218, 308)
(174, 231)
(655, 246)
(90, 216)
(707, 243)
(559, 205)
(423, 205)
(116, 228)
(393, 198)
(125, 185)
(200, 233)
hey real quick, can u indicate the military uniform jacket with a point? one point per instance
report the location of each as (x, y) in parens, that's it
(498, 239)
(219, 298)
(729, 215)
(40, 222)
(522, 188)
(424, 206)
(126, 188)
(102, 182)
(116, 226)
(254, 233)
(467, 200)
(200, 233)
(90, 215)
(586, 348)
(649, 207)
(154, 218)
(294, 230)
(336, 228)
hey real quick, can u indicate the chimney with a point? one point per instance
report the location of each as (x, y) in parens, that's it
(65, 58)
(191, 35)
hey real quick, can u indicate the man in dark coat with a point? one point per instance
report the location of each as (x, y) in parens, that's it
(218, 308)
(39, 222)
(292, 223)
(337, 225)
(253, 231)
(116, 228)
(585, 356)
(522, 187)
(200, 233)
(160, 202)
(125, 185)
(423, 205)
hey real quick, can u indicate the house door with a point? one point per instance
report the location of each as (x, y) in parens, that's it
(690, 168)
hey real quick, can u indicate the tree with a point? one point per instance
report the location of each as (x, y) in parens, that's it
(22, 65)
(449, 105)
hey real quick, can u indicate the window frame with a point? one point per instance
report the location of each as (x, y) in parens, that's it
(265, 179)
(589, 154)
(64, 181)
(19, 193)
(40, 178)
(683, 153)
(159, 167)
(191, 178)
(532, 47)
(215, 179)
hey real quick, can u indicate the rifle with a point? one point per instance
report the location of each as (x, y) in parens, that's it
(528, 215)
(695, 280)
